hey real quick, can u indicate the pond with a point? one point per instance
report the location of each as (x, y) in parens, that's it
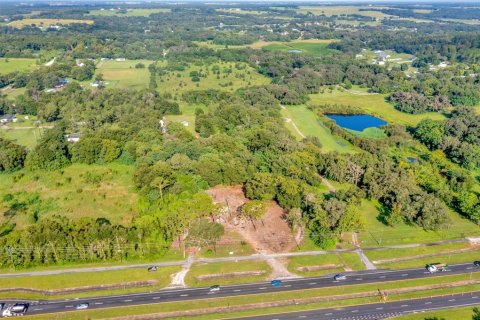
(357, 122)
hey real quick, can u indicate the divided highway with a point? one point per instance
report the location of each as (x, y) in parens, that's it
(378, 311)
(41, 307)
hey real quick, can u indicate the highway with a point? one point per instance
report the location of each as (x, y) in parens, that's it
(166, 295)
(378, 311)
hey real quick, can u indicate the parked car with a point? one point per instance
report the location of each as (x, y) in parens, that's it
(215, 288)
(82, 306)
(153, 268)
(476, 263)
(276, 283)
(339, 277)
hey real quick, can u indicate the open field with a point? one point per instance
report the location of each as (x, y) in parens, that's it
(308, 124)
(378, 234)
(310, 48)
(77, 191)
(129, 13)
(373, 104)
(46, 22)
(227, 268)
(123, 74)
(311, 43)
(27, 137)
(342, 11)
(240, 11)
(8, 65)
(319, 265)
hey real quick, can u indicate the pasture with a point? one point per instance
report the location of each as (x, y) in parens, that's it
(313, 48)
(77, 191)
(373, 104)
(128, 13)
(26, 137)
(343, 11)
(306, 122)
(123, 74)
(45, 23)
(8, 65)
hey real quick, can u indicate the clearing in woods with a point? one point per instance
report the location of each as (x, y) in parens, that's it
(45, 23)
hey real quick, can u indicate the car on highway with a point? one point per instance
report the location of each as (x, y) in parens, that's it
(153, 268)
(276, 283)
(215, 288)
(2, 305)
(476, 263)
(340, 277)
(82, 306)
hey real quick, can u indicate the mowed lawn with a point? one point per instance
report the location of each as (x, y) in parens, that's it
(378, 234)
(373, 104)
(307, 122)
(129, 13)
(226, 269)
(46, 22)
(8, 65)
(76, 191)
(449, 314)
(123, 74)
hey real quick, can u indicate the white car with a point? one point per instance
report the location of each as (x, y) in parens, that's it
(215, 288)
(82, 306)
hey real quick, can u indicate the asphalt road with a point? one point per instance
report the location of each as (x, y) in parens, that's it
(378, 276)
(379, 311)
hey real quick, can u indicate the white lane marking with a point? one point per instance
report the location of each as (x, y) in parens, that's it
(156, 298)
(184, 295)
(469, 268)
(404, 305)
(382, 277)
(68, 306)
(359, 279)
(328, 314)
(353, 311)
(128, 300)
(287, 286)
(379, 308)
(98, 302)
(237, 290)
(451, 300)
(476, 297)
(404, 274)
(312, 283)
(429, 302)
(38, 309)
(302, 316)
(262, 288)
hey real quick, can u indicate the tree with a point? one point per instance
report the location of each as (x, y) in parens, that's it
(51, 152)
(205, 233)
(254, 210)
(262, 186)
(430, 132)
(476, 314)
(12, 156)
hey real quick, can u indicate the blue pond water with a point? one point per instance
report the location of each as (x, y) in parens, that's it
(357, 122)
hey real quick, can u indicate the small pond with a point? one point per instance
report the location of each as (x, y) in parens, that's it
(357, 122)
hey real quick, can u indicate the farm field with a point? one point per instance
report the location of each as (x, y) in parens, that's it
(312, 43)
(373, 104)
(46, 22)
(8, 65)
(311, 48)
(226, 268)
(129, 13)
(378, 234)
(343, 10)
(309, 125)
(77, 191)
(123, 74)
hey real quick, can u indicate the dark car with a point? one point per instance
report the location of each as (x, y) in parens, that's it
(476, 263)
(151, 269)
(276, 283)
(2, 305)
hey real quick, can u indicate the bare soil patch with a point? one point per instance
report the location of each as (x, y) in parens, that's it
(268, 235)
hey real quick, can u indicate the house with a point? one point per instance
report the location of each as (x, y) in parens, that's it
(96, 84)
(184, 123)
(8, 118)
(74, 137)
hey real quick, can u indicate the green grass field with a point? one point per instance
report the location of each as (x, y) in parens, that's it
(27, 137)
(123, 74)
(46, 22)
(373, 104)
(341, 11)
(8, 65)
(449, 314)
(308, 124)
(310, 48)
(129, 13)
(378, 234)
(218, 268)
(77, 191)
